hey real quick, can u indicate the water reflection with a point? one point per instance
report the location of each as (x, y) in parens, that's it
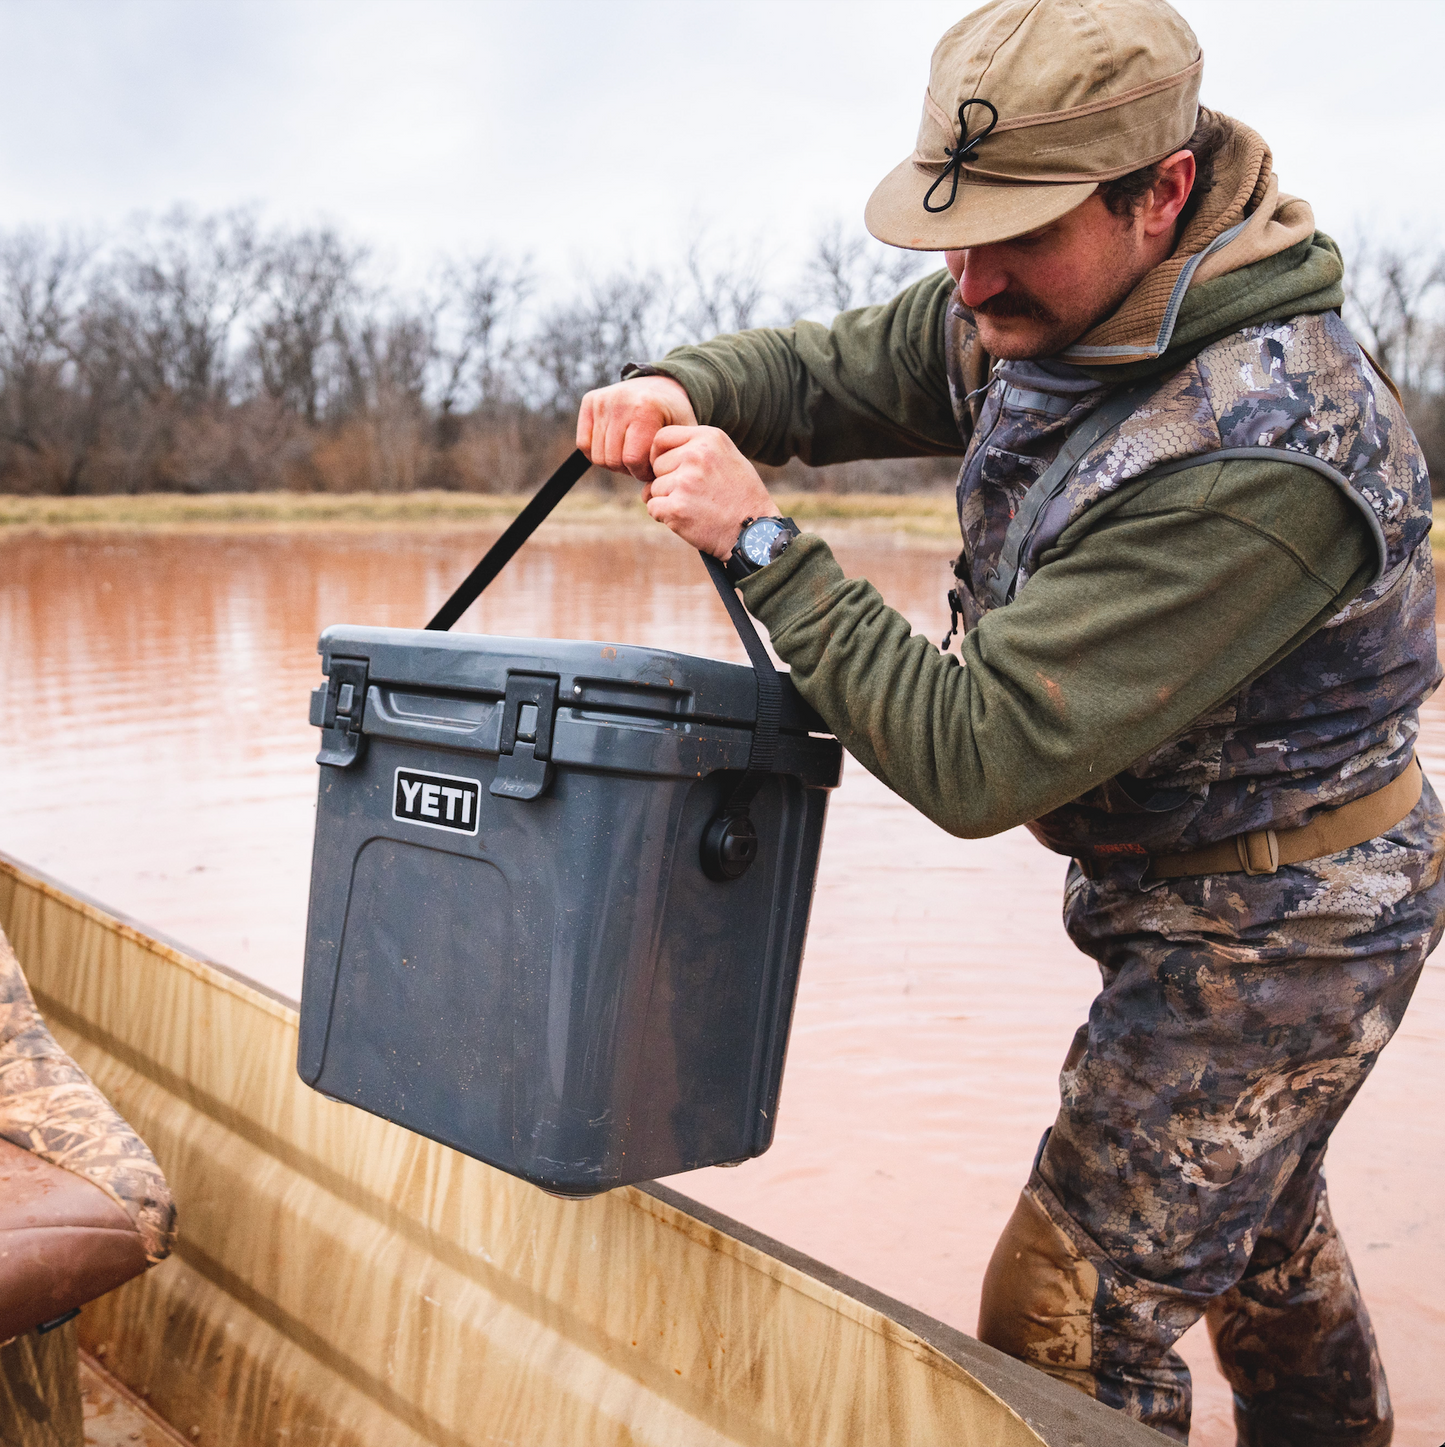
(156, 755)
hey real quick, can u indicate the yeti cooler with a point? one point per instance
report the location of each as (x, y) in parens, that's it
(559, 893)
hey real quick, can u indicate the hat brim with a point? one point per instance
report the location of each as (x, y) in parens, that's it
(982, 212)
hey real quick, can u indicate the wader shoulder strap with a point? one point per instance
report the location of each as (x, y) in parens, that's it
(1107, 416)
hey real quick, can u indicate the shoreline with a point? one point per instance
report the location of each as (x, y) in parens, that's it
(928, 515)
(924, 514)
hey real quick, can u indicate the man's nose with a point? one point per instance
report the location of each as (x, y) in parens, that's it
(983, 275)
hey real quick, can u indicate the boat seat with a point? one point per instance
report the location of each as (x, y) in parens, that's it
(84, 1206)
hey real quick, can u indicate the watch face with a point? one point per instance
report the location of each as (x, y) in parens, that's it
(757, 543)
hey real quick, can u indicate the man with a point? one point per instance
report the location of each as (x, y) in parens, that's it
(1198, 604)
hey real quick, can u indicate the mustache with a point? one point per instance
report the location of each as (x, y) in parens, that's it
(1014, 304)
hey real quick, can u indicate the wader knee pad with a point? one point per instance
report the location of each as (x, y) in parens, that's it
(1038, 1298)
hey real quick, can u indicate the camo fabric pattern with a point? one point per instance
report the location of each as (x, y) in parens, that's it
(49, 1106)
(1238, 1018)
(1337, 718)
(1239, 1015)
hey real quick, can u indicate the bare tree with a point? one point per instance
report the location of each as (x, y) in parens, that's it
(181, 287)
(481, 311)
(312, 278)
(198, 352)
(728, 297)
(42, 291)
(626, 316)
(1393, 295)
(850, 269)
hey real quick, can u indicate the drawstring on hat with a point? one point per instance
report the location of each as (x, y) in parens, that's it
(964, 151)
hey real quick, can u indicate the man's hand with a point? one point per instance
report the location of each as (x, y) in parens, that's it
(704, 488)
(616, 425)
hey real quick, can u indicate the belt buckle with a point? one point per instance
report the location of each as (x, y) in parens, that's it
(1258, 851)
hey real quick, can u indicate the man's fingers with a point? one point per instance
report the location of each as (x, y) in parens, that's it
(622, 439)
(616, 425)
(637, 448)
(668, 439)
(584, 427)
(664, 464)
(611, 449)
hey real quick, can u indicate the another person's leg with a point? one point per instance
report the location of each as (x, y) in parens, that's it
(1238, 1018)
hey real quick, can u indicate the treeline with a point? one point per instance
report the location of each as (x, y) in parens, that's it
(207, 354)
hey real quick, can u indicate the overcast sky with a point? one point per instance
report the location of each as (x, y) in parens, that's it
(603, 130)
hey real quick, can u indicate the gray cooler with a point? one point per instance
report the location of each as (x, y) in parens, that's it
(539, 930)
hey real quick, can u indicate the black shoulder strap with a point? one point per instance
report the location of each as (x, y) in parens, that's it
(1107, 416)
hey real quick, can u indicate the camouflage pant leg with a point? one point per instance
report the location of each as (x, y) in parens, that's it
(1293, 1336)
(1239, 1017)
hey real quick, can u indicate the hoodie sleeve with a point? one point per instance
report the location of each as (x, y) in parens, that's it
(1137, 626)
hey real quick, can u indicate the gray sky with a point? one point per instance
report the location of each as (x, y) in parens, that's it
(603, 130)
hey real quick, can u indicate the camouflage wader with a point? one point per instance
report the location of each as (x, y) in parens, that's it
(1239, 1014)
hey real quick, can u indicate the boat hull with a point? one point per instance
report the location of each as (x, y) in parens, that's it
(338, 1279)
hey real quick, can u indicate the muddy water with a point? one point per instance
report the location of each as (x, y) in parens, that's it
(154, 753)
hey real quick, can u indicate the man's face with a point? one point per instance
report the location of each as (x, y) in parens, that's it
(1034, 295)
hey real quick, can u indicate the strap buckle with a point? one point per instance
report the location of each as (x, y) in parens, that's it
(1258, 851)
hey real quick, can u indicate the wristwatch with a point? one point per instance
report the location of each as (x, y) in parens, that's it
(760, 541)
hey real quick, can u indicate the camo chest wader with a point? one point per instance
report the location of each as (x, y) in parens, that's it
(1239, 1013)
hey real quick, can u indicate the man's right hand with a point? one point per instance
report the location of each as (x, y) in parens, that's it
(616, 425)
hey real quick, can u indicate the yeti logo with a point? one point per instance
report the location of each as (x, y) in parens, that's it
(437, 801)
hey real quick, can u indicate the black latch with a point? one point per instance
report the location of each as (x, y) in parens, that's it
(524, 770)
(337, 710)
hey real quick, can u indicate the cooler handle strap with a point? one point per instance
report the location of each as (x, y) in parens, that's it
(770, 693)
(500, 553)
(764, 748)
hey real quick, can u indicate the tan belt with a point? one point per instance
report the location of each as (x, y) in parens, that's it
(1262, 851)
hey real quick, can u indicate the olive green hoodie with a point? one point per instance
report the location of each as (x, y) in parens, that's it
(1161, 601)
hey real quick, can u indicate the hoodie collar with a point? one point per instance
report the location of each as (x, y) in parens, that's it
(1242, 220)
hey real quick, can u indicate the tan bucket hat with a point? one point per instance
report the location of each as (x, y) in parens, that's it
(1030, 105)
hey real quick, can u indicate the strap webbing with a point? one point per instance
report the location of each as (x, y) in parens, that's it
(1054, 478)
(500, 553)
(1262, 851)
(770, 692)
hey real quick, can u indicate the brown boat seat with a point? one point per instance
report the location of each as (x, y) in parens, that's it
(84, 1205)
(63, 1242)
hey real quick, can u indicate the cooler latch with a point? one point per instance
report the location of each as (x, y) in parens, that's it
(524, 770)
(337, 708)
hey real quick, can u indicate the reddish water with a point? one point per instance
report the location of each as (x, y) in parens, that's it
(156, 755)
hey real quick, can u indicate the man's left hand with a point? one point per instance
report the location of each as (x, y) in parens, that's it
(703, 488)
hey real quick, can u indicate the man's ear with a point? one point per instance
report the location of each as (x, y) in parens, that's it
(1169, 192)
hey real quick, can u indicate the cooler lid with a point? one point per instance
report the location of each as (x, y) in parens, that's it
(646, 681)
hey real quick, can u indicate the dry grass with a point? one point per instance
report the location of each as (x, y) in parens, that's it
(927, 514)
(141, 511)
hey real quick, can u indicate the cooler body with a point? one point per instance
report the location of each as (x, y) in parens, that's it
(512, 946)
